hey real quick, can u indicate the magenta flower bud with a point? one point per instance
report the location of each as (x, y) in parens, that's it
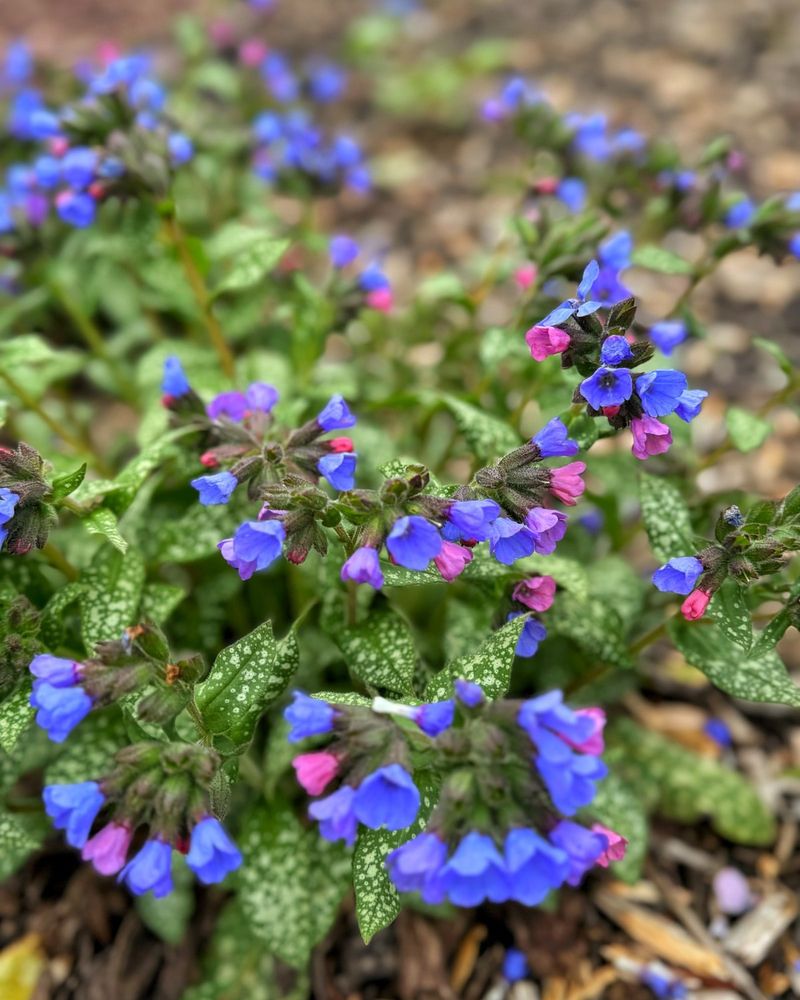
(315, 771)
(593, 744)
(695, 605)
(108, 848)
(525, 276)
(452, 560)
(566, 483)
(617, 845)
(536, 593)
(545, 341)
(650, 437)
(380, 299)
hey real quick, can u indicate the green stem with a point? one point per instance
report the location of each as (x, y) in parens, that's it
(59, 561)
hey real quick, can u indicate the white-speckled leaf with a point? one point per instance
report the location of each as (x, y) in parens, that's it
(16, 715)
(102, 521)
(593, 625)
(746, 430)
(51, 626)
(342, 698)
(194, 535)
(666, 518)
(16, 843)
(489, 665)
(159, 600)
(772, 633)
(732, 615)
(380, 652)
(487, 437)
(726, 665)
(89, 752)
(618, 807)
(110, 599)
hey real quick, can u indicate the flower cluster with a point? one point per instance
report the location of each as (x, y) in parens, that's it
(513, 776)
(536, 593)
(372, 287)
(606, 354)
(162, 786)
(26, 511)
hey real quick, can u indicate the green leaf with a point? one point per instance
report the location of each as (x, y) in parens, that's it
(656, 258)
(594, 626)
(377, 900)
(16, 715)
(490, 665)
(16, 843)
(168, 917)
(52, 622)
(740, 674)
(666, 517)
(380, 651)
(746, 430)
(768, 638)
(109, 601)
(291, 883)
(89, 753)
(487, 437)
(618, 807)
(777, 353)
(252, 264)
(343, 698)
(732, 615)
(159, 600)
(64, 485)
(194, 535)
(684, 786)
(102, 521)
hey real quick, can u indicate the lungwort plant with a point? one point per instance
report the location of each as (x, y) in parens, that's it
(311, 585)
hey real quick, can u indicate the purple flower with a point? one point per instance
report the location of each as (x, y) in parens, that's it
(436, 717)
(679, 575)
(78, 167)
(335, 415)
(533, 632)
(470, 519)
(308, 717)
(572, 192)
(548, 527)
(511, 541)
(75, 208)
(469, 693)
(582, 847)
(413, 542)
(534, 866)
(615, 350)
(363, 566)
(254, 546)
(515, 966)
(335, 815)
(343, 250)
(73, 808)
(475, 872)
(553, 727)
(180, 148)
(554, 440)
(387, 798)
(571, 783)
(690, 402)
(339, 469)
(8, 504)
(55, 670)
(108, 848)
(607, 387)
(174, 383)
(232, 404)
(660, 391)
(150, 870)
(668, 334)
(59, 709)
(212, 854)
(216, 489)
(261, 396)
(412, 866)
(579, 306)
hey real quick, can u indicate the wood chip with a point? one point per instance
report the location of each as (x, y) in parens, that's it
(466, 957)
(753, 936)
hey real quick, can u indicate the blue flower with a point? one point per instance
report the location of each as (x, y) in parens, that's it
(716, 730)
(335, 415)
(347, 151)
(534, 866)
(475, 872)
(413, 865)
(679, 575)
(571, 783)
(343, 250)
(308, 717)
(150, 870)
(533, 632)
(216, 489)
(607, 387)
(515, 966)
(553, 727)
(78, 167)
(372, 279)
(232, 404)
(212, 854)
(590, 138)
(469, 693)
(363, 566)
(8, 503)
(174, 383)
(180, 149)
(510, 541)
(254, 547)
(579, 306)
(59, 709)
(615, 350)
(326, 82)
(572, 192)
(470, 519)
(548, 527)
(268, 127)
(660, 391)
(335, 815)
(436, 717)
(616, 250)
(43, 124)
(76, 208)
(55, 670)
(413, 542)
(387, 798)
(73, 808)
(668, 334)
(339, 469)
(794, 245)
(690, 402)
(740, 214)
(18, 63)
(48, 171)
(554, 440)
(582, 847)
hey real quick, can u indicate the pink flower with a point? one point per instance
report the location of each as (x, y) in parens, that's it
(252, 52)
(108, 51)
(695, 605)
(617, 845)
(221, 32)
(315, 770)
(536, 593)
(452, 560)
(650, 437)
(108, 848)
(341, 444)
(594, 745)
(566, 483)
(380, 299)
(546, 185)
(58, 145)
(546, 340)
(525, 276)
